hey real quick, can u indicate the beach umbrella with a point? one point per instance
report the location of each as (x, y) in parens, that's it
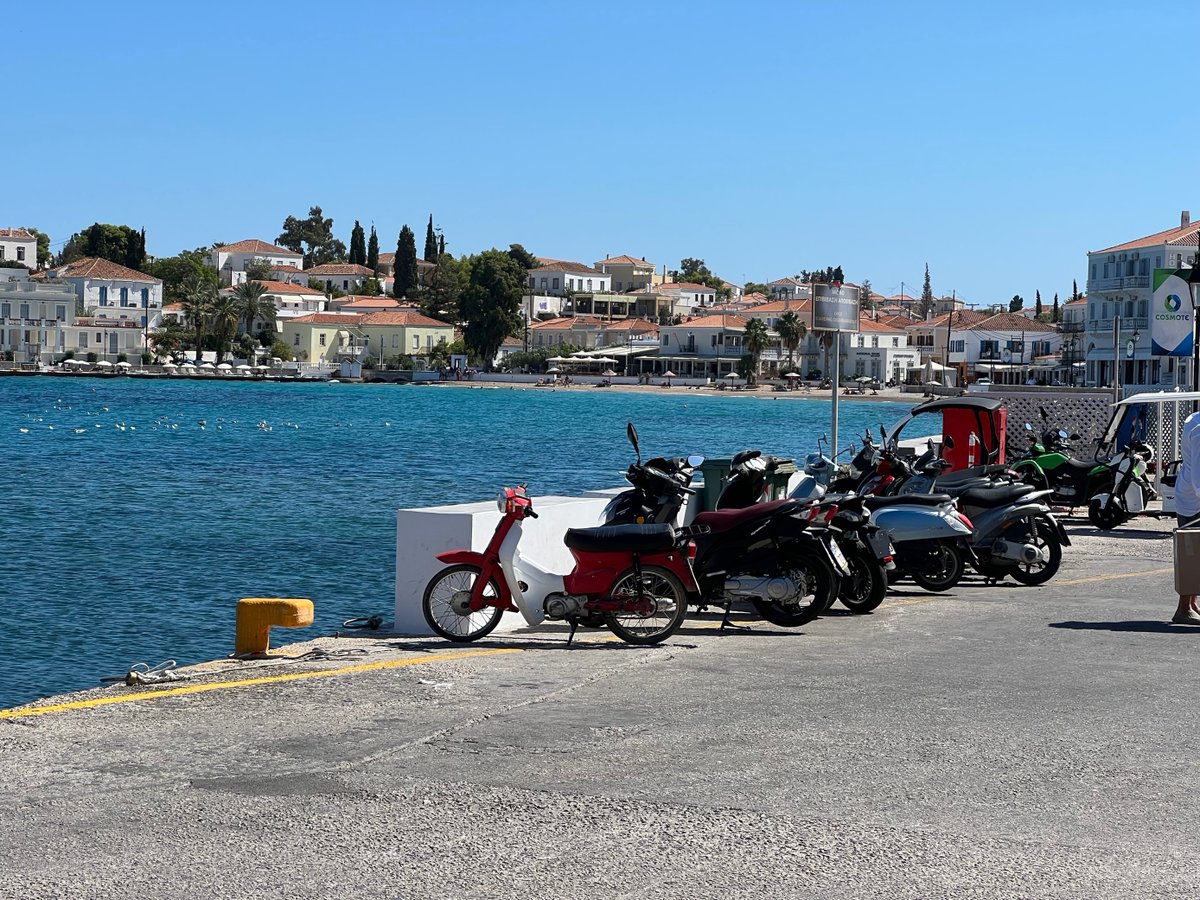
(608, 372)
(123, 364)
(731, 375)
(553, 370)
(169, 365)
(934, 381)
(104, 364)
(558, 359)
(864, 378)
(605, 359)
(244, 368)
(791, 375)
(188, 365)
(207, 365)
(225, 367)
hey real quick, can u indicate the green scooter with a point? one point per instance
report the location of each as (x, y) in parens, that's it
(1048, 464)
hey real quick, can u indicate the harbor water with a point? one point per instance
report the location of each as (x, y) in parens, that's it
(139, 511)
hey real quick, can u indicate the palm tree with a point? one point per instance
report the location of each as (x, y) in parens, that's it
(755, 341)
(791, 331)
(251, 305)
(197, 305)
(167, 339)
(224, 322)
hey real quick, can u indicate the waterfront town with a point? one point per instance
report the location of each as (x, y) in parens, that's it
(255, 303)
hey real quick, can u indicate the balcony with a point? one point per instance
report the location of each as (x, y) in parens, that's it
(1129, 282)
(1072, 327)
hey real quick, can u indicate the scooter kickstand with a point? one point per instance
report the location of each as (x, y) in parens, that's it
(574, 623)
(725, 623)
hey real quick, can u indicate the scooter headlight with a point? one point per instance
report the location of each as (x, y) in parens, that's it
(502, 500)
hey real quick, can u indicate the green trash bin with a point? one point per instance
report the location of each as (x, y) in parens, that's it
(715, 469)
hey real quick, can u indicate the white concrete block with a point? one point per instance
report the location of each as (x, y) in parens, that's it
(421, 534)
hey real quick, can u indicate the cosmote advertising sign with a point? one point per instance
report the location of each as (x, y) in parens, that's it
(1171, 314)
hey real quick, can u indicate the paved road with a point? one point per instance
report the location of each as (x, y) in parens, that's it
(993, 742)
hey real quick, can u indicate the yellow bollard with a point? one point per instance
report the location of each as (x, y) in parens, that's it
(256, 615)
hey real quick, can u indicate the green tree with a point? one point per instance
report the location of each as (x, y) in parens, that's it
(791, 330)
(224, 312)
(358, 245)
(198, 304)
(1055, 312)
(313, 237)
(523, 257)
(925, 305)
(441, 244)
(867, 297)
(1075, 295)
(439, 300)
(489, 305)
(179, 273)
(406, 265)
(1037, 304)
(116, 243)
(43, 248)
(431, 244)
(251, 304)
(167, 339)
(1016, 303)
(373, 251)
(259, 270)
(755, 340)
(757, 287)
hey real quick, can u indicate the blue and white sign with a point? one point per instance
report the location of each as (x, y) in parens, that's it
(1172, 317)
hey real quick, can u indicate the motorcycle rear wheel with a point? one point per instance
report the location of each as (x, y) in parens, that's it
(668, 596)
(1105, 519)
(446, 600)
(822, 584)
(1044, 537)
(949, 572)
(866, 586)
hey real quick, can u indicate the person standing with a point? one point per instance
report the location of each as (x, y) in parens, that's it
(1187, 504)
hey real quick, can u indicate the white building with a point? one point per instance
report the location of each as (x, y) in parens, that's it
(628, 273)
(112, 292)
(555, 277)
(231, 260)
(687, 297)
(36, 320)
(1006, 347)
(790, 289)
(341, 276)
(703, 347)
(19, 246)
(1119, 284)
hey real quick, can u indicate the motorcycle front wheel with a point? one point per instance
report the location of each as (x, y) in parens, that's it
(865, 587)
(820, 585)
(1105, 517)
(665, 599)
(1045, 538)
(447, 604)
(949, 569)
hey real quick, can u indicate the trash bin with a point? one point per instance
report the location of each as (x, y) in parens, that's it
(715, 469)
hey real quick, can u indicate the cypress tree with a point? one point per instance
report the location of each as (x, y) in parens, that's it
(1055, 313)
(441, 244)
(926, 295)
(373, 251)
(358, 245)
(1074, 289)
(406, 264)
(1037, 305)
(431, 247)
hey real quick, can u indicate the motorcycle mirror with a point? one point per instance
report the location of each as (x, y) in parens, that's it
(1028, 427)
(695, 460)
(1062, 434)
(631, 433)
(948, 442)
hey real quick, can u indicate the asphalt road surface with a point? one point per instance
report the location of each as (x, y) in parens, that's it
(993, 741)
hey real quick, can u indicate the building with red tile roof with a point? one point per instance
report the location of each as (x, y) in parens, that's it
(18, 246)
(231, 260)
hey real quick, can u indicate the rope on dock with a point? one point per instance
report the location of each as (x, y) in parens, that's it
(143, 673)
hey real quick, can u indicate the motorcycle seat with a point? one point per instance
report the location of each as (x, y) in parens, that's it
(1001, 495)
(621, 538)
(988, 471)
(874, 502)
(727, 519)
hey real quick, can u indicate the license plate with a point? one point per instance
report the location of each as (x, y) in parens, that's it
(839, 558)
(880, 544)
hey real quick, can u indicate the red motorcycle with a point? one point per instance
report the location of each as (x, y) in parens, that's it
(634, 579)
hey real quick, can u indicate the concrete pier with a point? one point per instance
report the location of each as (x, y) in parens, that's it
(994, 741)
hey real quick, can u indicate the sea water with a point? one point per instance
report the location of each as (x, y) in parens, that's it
(138, 511)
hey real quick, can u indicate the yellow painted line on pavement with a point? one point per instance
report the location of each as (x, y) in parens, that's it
(246, 682)
(1095, 578)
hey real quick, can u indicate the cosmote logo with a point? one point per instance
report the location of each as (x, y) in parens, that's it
(1172, 303)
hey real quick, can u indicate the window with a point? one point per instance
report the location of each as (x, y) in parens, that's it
(103, 296)
(145, 298)
(861, 342)
(20, 254)
(874, 340)
(544, 282)
(896, 343)
(955, 346)
(296, 340)
(24, 310)
(617, 286)
(395, 342)
(60, 313)
(556, 284)
(989, 349)
(665, 338)
(345, 284)
(589, 287)
(83, 340)
(124, 296)
(5, 310)
(321, 339)
(416, 342)
(1, 251)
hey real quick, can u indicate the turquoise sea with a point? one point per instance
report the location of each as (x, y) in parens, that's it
(137, 511)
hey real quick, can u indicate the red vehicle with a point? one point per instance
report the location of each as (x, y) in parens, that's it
(634, 579)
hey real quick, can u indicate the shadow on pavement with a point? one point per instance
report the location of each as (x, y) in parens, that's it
(1145, 626)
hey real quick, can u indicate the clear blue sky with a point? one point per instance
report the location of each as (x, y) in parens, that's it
(998, 142)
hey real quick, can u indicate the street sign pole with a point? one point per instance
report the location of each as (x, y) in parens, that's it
(835, 309)
(837, 374)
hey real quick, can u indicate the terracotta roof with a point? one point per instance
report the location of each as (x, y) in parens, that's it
(1183, 234)
(103, 269)
(1082, 301)
(387, 258)
(868, 324)
(963, 318)
(340, 269)
(634, 325)
(897, 321)
(18, 234)
(728, 321)
(788, 281)
(681, 286)
(285, 267)
(402, 317)
(286, 287)
(626, 261)
(253, 245)
(561, 265)
(329, 318)
(1007, 321)
(564, 323)
(350, 301)
(173, 307)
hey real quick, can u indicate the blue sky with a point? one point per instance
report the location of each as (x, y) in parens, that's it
(998, 143)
